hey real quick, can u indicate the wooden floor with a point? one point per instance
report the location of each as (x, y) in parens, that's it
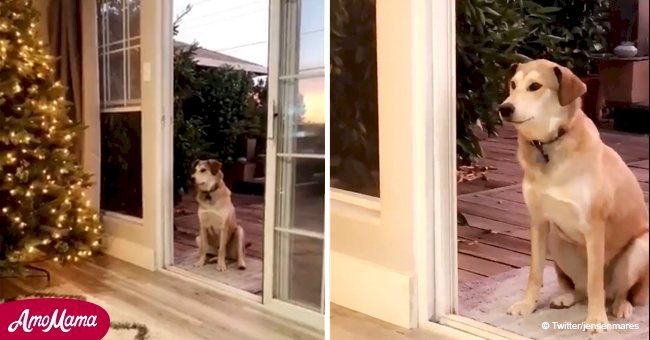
(497, 238)
(349, 325)
(183, 309)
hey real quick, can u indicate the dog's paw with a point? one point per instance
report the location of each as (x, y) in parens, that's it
(241, 265)
(564, 300)
(199, 263)
(622, 309)
(221, 267)
(523, 308)
(596, 323)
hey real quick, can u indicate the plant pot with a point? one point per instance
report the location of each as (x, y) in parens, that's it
(625, 50)
(624, 80)
(593, 101)
(251, 144)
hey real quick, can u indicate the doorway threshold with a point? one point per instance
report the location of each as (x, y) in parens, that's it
(213, 284)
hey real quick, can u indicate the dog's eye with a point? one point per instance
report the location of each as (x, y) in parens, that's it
(534, 87)
(202, 170)
(512, 84)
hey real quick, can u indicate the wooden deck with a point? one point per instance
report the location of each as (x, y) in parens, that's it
(250, 213)
(497, 238)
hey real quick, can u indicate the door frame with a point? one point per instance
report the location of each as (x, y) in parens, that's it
(128, 238)
(163, 11)
(436, 246)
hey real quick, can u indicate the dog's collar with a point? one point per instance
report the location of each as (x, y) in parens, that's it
(539, 145)
(207, 193)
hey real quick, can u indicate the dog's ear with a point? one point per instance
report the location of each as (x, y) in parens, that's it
(194, 164)
(570, 86)
(215, 166)
(511, 73)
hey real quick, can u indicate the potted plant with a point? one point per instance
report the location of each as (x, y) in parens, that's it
(625, 74)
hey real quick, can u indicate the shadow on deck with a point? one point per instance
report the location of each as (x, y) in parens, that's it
(497, 238)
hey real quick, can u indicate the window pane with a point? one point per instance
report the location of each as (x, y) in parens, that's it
(302, 39)
(300, 194)
(353, 97)
(113, 10)
(301, 124)
(116, 76)
(133, 8)
(301, 258)
(134, 73)
(121, 163)
(102, 78)
(312, 38)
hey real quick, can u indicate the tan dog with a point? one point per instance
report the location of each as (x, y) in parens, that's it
(218, 228)
(584, 202)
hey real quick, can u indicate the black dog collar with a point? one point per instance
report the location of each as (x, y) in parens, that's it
(539, 145)
(207, 194)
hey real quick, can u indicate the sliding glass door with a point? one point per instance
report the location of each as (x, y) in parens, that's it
(294, 214)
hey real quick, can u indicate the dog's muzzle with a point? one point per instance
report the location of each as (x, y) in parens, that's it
(506, 111)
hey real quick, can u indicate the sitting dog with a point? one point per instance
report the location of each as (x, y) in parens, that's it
(218, 228)
(585, 204)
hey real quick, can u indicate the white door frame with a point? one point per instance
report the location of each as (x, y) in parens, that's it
(164, 171)
(436, 253)
(128, 238)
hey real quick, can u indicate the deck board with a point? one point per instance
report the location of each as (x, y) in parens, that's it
(497, 238)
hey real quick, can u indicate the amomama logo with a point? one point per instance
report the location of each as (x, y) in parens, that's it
(52, 318)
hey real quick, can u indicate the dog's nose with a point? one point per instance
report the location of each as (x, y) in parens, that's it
(506, 110)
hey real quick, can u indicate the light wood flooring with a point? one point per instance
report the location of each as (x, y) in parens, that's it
(185, 310)
(350, 325)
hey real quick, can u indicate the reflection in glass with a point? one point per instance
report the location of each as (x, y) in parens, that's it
(301, 197)
(121, 163)
(354, 134)
(301, 124)
(304, 36)
(116, 76)
(304, 270)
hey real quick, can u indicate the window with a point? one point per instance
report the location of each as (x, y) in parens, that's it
(120, 110)
(353, 97)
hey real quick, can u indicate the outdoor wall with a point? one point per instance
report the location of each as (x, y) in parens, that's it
(372, 243)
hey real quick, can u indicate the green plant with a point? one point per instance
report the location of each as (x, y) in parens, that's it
(489, 34)
(578, 30)
(225, 94)
(190, 140)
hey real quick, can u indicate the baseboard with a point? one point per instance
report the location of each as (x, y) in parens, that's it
(129, 251)
(373, 290)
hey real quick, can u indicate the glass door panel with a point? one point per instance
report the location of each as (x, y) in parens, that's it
(297, 154)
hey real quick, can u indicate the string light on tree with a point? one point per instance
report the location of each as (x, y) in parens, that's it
(41, 186)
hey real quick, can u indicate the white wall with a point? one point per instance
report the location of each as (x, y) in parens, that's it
(372, 250)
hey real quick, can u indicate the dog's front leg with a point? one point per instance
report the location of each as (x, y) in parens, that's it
(596, 312)
(538, 241)
(221, 253)
(203, 246)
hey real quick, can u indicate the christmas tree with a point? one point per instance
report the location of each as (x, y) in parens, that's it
(43, 210)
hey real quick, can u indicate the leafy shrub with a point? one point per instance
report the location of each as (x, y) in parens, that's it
(488, 35)
(579, 28)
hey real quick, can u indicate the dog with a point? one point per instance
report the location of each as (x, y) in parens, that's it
(219, 232)
(584, 203)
